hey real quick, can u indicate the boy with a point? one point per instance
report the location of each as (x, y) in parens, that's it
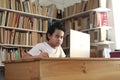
(52, 47)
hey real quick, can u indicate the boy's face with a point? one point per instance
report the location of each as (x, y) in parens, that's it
(56, 38)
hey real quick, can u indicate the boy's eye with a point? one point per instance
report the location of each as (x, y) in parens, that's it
(57, 36)
(61, 37)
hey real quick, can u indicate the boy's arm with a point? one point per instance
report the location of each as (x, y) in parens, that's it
(41, 55)
(26, 55)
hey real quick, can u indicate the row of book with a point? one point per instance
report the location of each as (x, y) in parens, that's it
(30, 6)
(99, 35)
(84, 5)
(93, 20)
(9, 36)
(11, 19)
(8, 54)
(103, 52)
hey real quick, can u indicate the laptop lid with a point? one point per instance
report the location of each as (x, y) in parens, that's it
(79, 44)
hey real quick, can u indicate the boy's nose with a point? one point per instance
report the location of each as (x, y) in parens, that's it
(59, 39)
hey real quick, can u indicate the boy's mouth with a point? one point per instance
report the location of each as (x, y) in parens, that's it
(59, 43)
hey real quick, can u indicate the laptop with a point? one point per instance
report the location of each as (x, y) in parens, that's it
(79, 44)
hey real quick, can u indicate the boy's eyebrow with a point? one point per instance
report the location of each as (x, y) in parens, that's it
(59, 35)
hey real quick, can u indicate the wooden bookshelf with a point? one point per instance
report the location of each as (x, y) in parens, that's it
(92, 20)
(24, 24)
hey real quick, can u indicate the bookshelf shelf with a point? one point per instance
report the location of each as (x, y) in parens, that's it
(14, 45)
(21, 29)
(29, 14)
(76, 15)
(102, 43)
(2, 65)
(65, 48)
(101, 10)
(102, 27)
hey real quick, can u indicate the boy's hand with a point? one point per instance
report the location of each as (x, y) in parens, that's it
(44, 55)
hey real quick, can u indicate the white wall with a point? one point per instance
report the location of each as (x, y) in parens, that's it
(70, 2)
(111, 24)
(116, 22)
(60, 3)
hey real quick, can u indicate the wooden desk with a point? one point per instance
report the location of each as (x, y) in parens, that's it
(63, 69)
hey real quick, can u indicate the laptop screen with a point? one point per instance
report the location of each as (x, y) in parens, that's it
(79, 44)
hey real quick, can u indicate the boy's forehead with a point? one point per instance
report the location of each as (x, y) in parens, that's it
(57, 31)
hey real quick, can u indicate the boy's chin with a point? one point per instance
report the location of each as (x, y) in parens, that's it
(58, 45)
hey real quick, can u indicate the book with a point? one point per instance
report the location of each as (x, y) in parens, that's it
(106, 52)
(100, 19)
(100, 35)
(115, 54)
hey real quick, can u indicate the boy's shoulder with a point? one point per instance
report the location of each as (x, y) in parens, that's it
(42, 43)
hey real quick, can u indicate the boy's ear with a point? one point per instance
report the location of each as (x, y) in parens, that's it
(49, 36)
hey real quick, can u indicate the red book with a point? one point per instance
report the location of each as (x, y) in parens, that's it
(102, 19)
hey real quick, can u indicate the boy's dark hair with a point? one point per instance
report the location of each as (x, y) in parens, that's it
(53, 27)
